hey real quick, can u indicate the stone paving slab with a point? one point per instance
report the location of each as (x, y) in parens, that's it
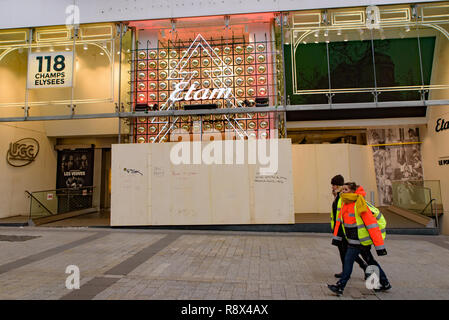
(200, 265)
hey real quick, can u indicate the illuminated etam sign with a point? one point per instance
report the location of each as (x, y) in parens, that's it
(184, 77)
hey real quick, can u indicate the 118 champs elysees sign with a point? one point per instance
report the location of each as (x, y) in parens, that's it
(50, 70)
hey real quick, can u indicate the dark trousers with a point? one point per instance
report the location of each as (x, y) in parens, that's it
(351, 254)
(342, 248)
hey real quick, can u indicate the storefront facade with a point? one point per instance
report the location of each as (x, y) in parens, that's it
(372, 77)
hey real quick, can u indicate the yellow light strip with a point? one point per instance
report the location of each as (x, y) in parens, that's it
(429, 7)
(40, 33)
(84, 29)
(393, 144)
(364, 90)
(386, 12)
(337, 15)
(22, 33)
(298, 15)
(57, 102)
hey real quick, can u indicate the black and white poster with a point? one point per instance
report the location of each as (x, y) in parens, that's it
(397, 157)
(75, 168)
(75, 178)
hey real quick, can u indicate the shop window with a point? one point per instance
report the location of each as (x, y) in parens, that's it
(204, 63)
(354, 55)
(60, 67)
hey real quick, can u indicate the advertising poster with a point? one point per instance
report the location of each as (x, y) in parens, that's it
(401, 162)
(75, 178)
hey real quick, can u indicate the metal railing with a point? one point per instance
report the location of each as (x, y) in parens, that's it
(421, 196)
(56, 201)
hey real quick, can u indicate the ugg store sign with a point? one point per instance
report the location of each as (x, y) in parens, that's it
(50, 70)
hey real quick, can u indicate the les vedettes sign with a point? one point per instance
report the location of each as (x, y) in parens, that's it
(22, 152)
(50, 70)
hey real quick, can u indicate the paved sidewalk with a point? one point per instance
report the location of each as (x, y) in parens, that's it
(197, 265)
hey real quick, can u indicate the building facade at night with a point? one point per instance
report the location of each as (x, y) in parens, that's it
(357, 90)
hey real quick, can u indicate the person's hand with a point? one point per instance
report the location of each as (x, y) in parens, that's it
(381, 252)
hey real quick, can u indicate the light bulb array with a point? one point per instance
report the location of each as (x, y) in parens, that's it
(242, 67)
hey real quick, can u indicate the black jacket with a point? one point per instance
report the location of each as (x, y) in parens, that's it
(334, 213)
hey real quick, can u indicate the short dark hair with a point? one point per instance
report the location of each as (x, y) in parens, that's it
(352, 185)
(338, 180)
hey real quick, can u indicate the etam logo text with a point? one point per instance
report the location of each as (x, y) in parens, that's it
(202, 94)
(262, 152)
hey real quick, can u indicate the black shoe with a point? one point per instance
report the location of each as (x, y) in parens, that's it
(338, 275)
(384, 287)
(335, 288)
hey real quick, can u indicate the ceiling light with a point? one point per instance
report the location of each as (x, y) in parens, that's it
(85, 46)
(326, 33)
(339, 33)
(407, 28)
(316, 34)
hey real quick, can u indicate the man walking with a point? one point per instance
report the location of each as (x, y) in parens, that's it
(339, 238)
(361, 229)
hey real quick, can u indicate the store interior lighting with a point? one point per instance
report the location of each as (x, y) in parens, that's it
(85, 46)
